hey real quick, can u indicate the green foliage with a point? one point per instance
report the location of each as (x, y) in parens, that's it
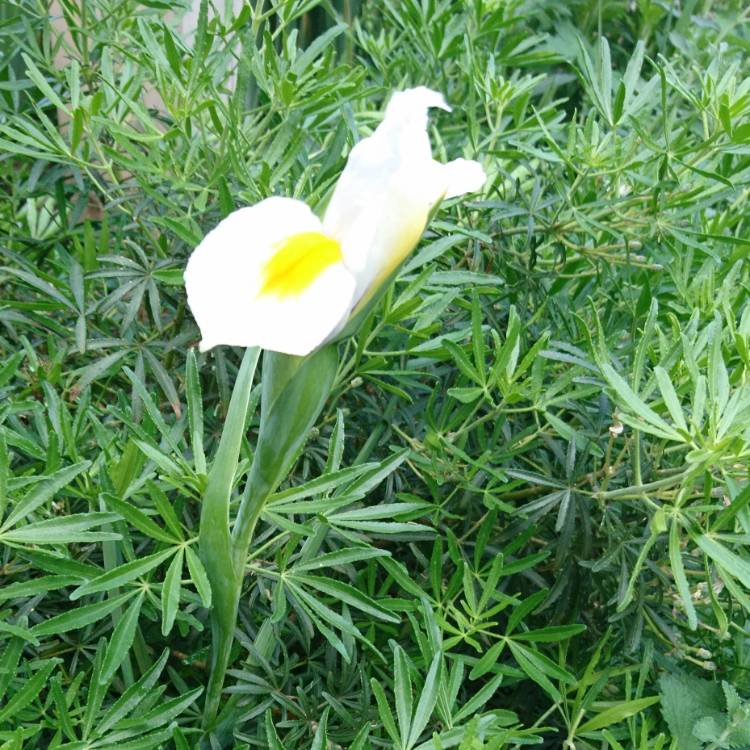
(527, 498)
(704, 714)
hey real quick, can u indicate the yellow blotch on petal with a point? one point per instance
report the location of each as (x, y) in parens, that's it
(297, 262)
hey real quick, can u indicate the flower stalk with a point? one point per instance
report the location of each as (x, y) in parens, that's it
(294, 391)
(215, 539)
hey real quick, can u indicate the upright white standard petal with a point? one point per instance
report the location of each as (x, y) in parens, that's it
(463, 176)
(269, 276)
(383, 199)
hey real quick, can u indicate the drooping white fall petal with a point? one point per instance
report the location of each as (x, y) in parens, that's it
(268, 276)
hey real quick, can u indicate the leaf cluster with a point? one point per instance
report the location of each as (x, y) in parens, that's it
(527, 498)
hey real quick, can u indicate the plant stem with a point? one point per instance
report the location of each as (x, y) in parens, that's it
(250, 509)
(215, 538)
(293, 393)
(222, 637)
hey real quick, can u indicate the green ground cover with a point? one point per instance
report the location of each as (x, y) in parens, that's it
(521, 518)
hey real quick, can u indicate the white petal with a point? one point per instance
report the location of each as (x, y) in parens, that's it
(225, 275)
(463, 176)
(299, 324)
(413, 104)
(384, 196)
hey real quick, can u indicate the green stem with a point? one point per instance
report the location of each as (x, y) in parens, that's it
(215, 538)
(293, 393)
(222, 637)
(250, 509)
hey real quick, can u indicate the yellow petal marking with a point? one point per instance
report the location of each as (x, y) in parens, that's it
(297, 261)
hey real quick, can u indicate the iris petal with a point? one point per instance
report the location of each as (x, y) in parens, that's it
(389, 187)
(269, 276)
(297, 262)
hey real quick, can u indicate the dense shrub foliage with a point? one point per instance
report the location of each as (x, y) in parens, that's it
(522, 517)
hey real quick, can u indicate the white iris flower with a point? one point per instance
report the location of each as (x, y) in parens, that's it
(274, 275)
